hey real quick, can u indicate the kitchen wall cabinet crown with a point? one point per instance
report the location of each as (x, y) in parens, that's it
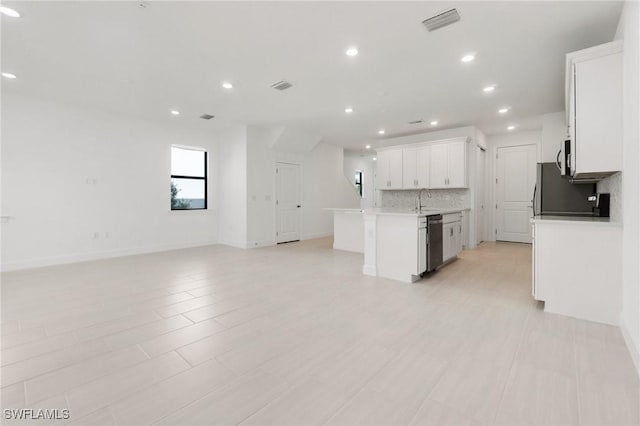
(437, 164)
(594, 110)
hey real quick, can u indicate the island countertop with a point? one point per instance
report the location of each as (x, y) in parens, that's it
(397, 211)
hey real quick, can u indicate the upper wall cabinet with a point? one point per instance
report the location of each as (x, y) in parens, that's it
(389, 169)
(415, 168)
(441, 164)
(448, 164)
(594, 111)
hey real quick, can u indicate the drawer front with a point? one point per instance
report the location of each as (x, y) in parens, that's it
(451, 217)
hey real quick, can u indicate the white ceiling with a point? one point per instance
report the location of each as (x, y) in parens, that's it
(174, 55)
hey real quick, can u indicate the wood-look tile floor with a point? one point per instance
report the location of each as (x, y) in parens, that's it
(296, 335)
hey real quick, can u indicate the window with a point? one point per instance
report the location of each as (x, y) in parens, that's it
(188, 179)
(359, 182)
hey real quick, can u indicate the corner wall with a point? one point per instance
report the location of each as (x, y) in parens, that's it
(231, 170)
(629, 31)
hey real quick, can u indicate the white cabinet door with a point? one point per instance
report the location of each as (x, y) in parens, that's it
(458, 233)
(598, 110)
(395, 168)
(410, 168)
(438, 165)
(457, 165)
(382, 170)
(422, 251)
(415, 168)
(447, 241)
(422, 167)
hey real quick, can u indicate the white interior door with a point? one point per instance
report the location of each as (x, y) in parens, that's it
(288, 202)
(516, 174)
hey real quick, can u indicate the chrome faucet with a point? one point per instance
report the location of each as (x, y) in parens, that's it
(419, 199)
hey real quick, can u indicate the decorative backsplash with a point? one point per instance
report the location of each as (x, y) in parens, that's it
(433, 198)
(613, 185)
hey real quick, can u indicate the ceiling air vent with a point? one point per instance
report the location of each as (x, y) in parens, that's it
(281, 85)
(416, 122)
(442, 19)
(207, 116)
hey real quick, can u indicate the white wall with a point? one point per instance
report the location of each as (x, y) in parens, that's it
(49, 151)
(554, 132)
(232, 186)
(529, 137)
(628, 30)
(366, 165)
(261, 187)
(323, 185)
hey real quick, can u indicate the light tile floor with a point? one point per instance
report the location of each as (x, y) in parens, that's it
(295, 334)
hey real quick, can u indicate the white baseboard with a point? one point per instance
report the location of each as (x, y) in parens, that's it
(258, 244)
(318, 235)
(85, 257)
(236, 244)
(370, 270)
(633, 350)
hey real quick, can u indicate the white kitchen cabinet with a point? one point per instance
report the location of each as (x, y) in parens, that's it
(577, 267)
(594, 110)
(395, 246)
(415, 167)
(448, 164)
(389, 169)
(451, 235)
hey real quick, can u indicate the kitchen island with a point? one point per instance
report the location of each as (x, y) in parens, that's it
(390, 239)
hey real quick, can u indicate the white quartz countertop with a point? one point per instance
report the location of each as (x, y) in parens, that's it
(577, 220)
(397, 211)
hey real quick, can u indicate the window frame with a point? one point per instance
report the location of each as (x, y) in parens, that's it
(205, 178)
(358, 184)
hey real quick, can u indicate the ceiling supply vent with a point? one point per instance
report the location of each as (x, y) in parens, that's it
(281, 85)
(207, 116)
(442, 19)
(416, 122)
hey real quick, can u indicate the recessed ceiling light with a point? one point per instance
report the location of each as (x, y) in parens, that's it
(381, 132)
(489, 89)
(503, 110)
(175, 112)
(368, 146)
(468, 57)
(375, 158)
(348, 110)
(352, 51)
(227, 85)
(8, 75)
(9, 12)
(434, 123)
(511, 127)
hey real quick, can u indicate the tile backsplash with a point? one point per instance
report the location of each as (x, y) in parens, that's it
(613, 185)
(433, 198)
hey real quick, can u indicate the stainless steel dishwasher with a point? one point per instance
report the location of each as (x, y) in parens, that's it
(434, 242)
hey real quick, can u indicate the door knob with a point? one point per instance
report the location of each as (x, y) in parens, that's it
(298, 206)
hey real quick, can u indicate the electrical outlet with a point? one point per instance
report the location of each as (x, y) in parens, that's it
(96, 235)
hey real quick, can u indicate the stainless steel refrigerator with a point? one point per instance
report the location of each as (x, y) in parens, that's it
(554, 195)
